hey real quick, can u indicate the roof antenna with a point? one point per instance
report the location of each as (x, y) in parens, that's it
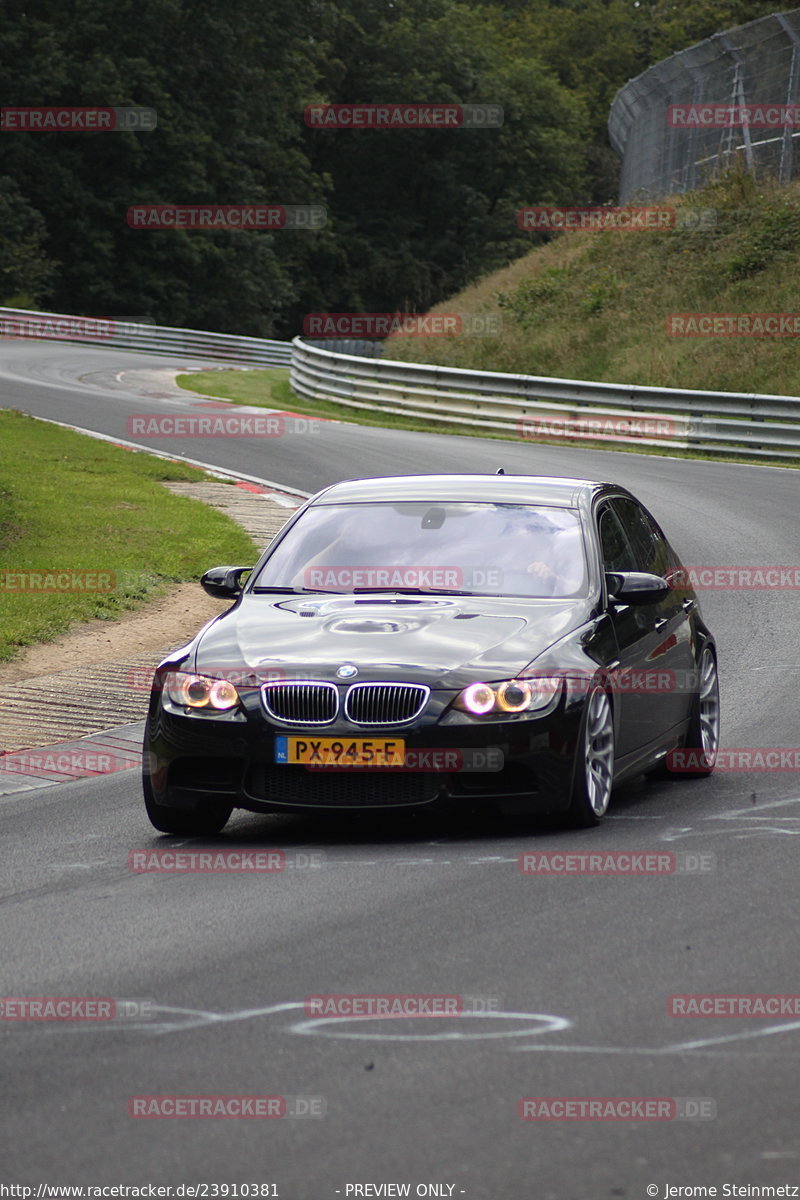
(500, 471)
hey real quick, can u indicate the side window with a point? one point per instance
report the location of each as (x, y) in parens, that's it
(650, 550)
(616, 550)
(671, 561)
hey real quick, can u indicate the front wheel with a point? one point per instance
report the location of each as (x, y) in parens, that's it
(207, 818)
(594, 762)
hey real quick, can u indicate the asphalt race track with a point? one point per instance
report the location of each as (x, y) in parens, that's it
(570, 976)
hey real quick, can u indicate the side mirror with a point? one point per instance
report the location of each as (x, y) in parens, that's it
(224, 582)
(636, 587)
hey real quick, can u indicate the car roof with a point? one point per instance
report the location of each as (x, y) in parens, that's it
(503, 489)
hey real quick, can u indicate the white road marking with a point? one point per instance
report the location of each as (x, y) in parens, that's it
(547, 1023)
(674, 835)
(489, 858)
(753, 809)
(700, 1045)
(767, 1031)
(98, 862)
(210, 1018)
(413, 862)
(752, 822)
(740, 833)
(634, 817)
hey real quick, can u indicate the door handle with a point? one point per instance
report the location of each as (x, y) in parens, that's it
(689, 605)
(660, 623)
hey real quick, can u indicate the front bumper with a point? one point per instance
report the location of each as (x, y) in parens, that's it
(521, 763)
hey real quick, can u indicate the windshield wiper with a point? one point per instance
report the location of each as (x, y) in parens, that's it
(411, 591)
(290, 591)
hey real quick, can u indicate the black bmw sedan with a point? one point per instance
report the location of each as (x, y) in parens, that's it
(446, 640)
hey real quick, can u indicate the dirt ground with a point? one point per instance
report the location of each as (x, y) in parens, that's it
(154, 629)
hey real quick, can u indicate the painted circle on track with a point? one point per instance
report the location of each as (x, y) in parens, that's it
(331, 1027)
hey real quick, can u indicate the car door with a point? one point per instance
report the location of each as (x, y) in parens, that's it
(641, 717)
(669, 662)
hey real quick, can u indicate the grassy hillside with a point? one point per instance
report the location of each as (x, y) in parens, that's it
(593, 305)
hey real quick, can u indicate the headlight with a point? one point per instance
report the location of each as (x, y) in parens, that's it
(200, 691)
(514, 695)
(478, 698)
(510, 696)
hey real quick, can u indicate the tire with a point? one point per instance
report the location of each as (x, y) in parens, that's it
(593, 776)
(208, 817)
(701, 743)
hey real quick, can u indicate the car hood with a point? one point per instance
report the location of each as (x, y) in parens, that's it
(444, 641)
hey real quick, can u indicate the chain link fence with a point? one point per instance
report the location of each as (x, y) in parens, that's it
(732, 98)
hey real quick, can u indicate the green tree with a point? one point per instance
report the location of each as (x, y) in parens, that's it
(26, 273)
(418, 213)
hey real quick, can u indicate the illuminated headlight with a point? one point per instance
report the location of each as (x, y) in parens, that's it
(511, 696)
(478, 698)
(200, 691)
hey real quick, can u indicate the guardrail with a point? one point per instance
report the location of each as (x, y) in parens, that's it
(535, 408)
(529, 407)
(158, 339)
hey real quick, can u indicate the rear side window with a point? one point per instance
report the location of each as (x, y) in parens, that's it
(650, 550)
(616, 549)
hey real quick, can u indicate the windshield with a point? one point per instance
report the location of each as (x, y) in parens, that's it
(463, 547)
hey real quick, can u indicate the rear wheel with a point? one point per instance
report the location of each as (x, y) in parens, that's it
(207, 817)
(701, 743)
(594, 765)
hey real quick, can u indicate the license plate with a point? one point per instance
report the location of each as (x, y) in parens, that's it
(341, 752)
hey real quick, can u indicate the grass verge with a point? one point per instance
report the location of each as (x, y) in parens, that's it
(69, 503)
(271, 389)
